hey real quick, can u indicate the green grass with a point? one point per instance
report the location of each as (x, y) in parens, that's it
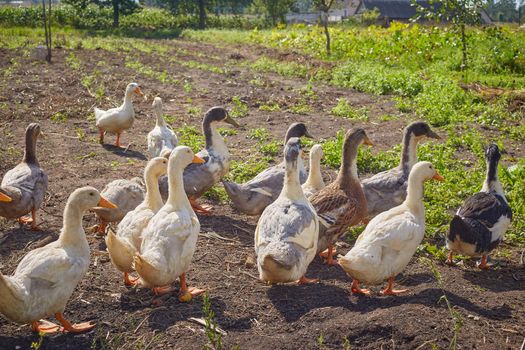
(345, 110)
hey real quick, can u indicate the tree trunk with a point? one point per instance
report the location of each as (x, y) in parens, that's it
(48, 57)
(115, 13)
(202, 15)
(327, 33)
(463, 47)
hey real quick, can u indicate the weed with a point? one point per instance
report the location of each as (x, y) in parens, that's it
(240, 108)
(37, 345)
(73, 61)
(270, 106)
(190, 136)
(344, 109)
(257, 81)
(194, 111)
(259, 134)
(214, 336)
(227, 131)
(270, 148)
(81, 134)
(59, 117)
(455, 315)
(300, 107)
(187, 86)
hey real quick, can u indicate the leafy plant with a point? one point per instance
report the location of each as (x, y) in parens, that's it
(214, 336)
(345, 110)
(240, 108)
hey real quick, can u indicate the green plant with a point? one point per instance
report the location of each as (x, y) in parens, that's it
(73, 61)
(270, 106)
(240, 108)
(194, 111)
(187, 87)
(301, 107)
(214, 336)
(259, 134)
(37, 345)
(345, 110)
(455, 315)
(191, 137)
(59, 117)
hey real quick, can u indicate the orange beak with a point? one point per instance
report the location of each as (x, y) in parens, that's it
(104, 203)
(138, 91)
(438, 177)
(368, 142)
(198, 160)
(5, 198)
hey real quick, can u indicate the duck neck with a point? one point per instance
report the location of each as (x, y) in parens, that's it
(348, 170)
(214, 140)
(160, 119)
(177, 197)
(72, 231)
(415, 192)
(491, 183)
(30, 150)
(128, 101)
(153, 198)
(409, 153)
(292, 186)
(314, 173)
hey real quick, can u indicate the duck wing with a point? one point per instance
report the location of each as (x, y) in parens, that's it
(385, 190)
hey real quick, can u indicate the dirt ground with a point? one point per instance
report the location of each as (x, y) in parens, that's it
(490, 303)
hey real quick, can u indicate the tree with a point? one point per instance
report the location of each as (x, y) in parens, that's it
(277, 9)
(47, 28)
(120, 7)
(460, 13)
(324, 6)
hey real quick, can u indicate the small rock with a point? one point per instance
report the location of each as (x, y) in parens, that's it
(250, 261)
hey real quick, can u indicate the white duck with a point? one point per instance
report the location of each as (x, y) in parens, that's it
(117, 120)
(286, 234)
(391, 238)
(126, 243)
(161, 139)
(314, 182)
(170, 239)
(46, 277)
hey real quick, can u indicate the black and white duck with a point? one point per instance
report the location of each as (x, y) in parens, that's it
(253, 196)
(388, 189)
(480, 223)
(199, 178)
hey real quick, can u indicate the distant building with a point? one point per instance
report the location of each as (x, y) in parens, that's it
(403, 10)
(341, 10)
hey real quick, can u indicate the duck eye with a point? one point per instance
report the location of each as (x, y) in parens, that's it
(91, 194)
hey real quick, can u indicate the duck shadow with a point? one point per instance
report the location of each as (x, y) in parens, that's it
(123, 152)
(21, 238)
(502, 280)
(173, 311)
(294, 301)
(62, 341)
(229, 227)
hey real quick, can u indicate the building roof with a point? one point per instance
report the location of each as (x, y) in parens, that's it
(402, 9)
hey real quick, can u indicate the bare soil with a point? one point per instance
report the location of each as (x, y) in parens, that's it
(489, 303)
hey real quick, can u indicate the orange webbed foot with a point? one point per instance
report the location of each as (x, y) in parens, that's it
(203, 209)
(44, 326)
(163, 290)
(387, 291)
(328, 254)
(305, 280)
(74, 328)
(130, 281)
(483, 263)
(354, 288)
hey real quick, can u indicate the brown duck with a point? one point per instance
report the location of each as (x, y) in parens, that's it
(342, 203)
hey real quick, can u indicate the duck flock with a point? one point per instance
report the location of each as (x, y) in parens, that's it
(300, 217)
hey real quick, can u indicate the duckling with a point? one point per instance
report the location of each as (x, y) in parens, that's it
(253, 196)
(170, 239)
(391, 238)
(287, 231)
(46, 277)
(161, 139)
(117, 120)
(388, 189)
(480, 223)
(126, 194)
(25, 184)
(314, 182)
(199, 178)
(342, 203)
(126, 243)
